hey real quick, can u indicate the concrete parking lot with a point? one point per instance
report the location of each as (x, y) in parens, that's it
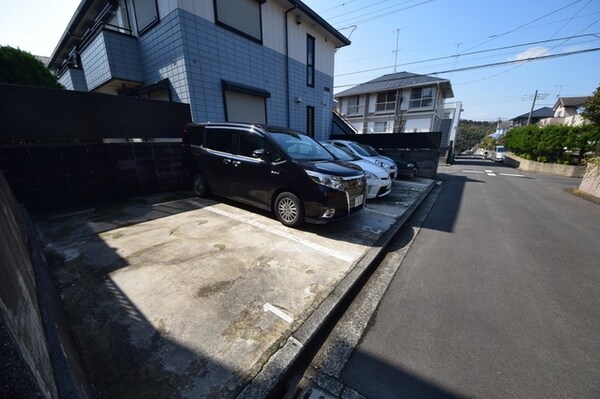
(175, 296)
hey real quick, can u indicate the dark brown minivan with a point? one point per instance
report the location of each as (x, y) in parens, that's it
(276, 169)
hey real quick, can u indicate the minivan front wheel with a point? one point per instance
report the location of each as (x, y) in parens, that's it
(289, 209)
(199, 186)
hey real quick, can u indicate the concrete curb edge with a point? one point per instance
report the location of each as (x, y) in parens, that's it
(284, 358)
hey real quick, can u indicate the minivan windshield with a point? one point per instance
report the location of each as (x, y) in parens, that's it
(500, 149)
(300, 147)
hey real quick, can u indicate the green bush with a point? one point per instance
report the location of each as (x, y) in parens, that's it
(549, 144)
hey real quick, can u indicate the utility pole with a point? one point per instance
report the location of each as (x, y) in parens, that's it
(532, 106)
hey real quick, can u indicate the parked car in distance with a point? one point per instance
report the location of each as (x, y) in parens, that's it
(405, 168)
(275, 169)
(360, 151)
(379, 183)
(498, 153)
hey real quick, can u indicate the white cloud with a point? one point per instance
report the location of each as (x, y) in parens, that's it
(533, 52)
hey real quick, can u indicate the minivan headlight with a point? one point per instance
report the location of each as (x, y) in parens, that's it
(326, 180)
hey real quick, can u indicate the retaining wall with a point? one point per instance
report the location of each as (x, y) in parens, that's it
(44, 361)
(547, 168)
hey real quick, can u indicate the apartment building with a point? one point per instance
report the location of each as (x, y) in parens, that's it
(261, 61)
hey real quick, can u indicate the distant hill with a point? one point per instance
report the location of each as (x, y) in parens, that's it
(471, 133)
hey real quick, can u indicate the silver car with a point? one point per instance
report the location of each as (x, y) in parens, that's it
(379, 183)
(360, 151)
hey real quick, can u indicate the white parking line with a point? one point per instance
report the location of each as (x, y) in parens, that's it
(472, 171)
(267, 307)
(291, 237)
(511, 174)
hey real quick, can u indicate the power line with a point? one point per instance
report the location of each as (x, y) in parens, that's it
(493, 64)
(542, 57)
(360, 21)
(494, 37)
(365, 7)
(597, 35)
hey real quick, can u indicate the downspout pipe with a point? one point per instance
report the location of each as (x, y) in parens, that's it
(287, 64)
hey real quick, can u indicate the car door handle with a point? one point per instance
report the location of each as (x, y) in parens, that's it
(237, 163)
(227, 161)
(274, 172)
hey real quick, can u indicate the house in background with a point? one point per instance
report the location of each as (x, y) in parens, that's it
(262, 61)
(566, 111)
(401, 102)
(536, 116)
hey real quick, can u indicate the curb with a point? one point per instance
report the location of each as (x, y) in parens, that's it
(285, 357)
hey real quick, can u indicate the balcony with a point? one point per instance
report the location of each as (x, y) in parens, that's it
(110, 60)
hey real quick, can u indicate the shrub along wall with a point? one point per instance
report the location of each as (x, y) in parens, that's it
(554, 143)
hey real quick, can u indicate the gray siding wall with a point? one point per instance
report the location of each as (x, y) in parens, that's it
(196, 55)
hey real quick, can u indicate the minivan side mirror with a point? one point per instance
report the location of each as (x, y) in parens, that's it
(260, 153)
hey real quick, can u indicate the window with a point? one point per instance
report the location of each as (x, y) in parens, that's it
(240, 16)
(146, 14)
(380, 127)
(421, 97)
(353, 106)
(386, 101)
(310, 61)
(220, 139)
(310, 121)
(250, 143)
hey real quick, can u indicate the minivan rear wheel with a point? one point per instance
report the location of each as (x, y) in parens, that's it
(289, 210)
(199, 186)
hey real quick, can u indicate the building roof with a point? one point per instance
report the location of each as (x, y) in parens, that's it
(395, 81)
(544, 112)
(569, 102)
(87, 10)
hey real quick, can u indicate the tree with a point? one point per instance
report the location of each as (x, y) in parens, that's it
(592, 112)
(471, 133)
(20, 67)
(592, 108)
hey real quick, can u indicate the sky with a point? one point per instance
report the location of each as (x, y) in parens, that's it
(448, 39)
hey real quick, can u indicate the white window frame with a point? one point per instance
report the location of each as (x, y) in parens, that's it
(421, 97)
(353, 107)
(387, 105)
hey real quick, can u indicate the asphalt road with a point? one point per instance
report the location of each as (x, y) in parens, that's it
(498, 296)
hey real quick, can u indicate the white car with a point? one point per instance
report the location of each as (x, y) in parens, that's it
(360, 151)
(498, 153)
(379, 183)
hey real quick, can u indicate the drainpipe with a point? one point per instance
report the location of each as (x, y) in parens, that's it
(287, 64)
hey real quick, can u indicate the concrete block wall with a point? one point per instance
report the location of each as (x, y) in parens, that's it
(45, 177)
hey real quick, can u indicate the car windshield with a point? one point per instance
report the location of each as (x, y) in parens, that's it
(339, 153)
(370, 150)
(300, 147)
(359, 149)
(501, 149)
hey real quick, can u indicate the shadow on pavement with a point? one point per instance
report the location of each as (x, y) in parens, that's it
(125, 355)
(378, 379)
(444, 218)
